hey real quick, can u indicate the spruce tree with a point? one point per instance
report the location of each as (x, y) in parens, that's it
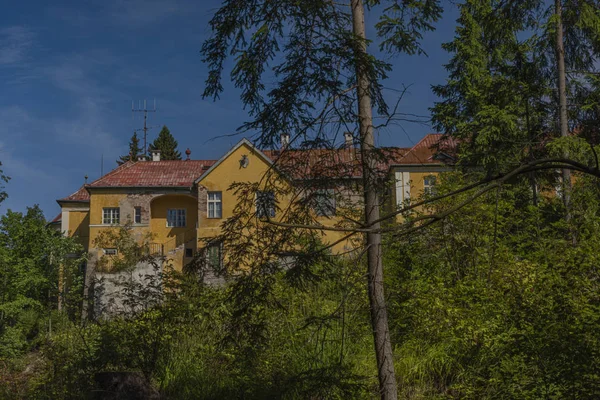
(166, 143)
(323, 76)
(492, 100)
(134, 150)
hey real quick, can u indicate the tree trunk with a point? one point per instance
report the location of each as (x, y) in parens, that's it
(379, 320)
(562, 100)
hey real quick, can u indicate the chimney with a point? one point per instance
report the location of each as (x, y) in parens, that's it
(348, 139)
(142, 158)
(187, 153)
(156, 155)
(285, 140)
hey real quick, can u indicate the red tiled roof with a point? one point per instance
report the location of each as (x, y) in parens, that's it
(168, 173)
(345, 162)
(81, 195)
(57, 219)
(425, 151)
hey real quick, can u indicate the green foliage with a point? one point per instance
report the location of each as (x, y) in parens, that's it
(3, 179)
(131, 249)
(134, 150)
(310, 55)
(166, 143)
(496, 302)
(178, 334)
(31, 255)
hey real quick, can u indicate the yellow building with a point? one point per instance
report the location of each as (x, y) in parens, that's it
(417, 171)
(179, 204)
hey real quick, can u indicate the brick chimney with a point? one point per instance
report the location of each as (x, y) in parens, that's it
(156, 155)
(285, 140)
(348, 139)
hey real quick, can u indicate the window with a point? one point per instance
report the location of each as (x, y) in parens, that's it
(429, 184)
(214, 205)
(324, 202)
(402, 188)
(213, 255)
(175, 217)
(189, 253)
(110, 216)
(137, 217)
(110, 252)
(265, 204)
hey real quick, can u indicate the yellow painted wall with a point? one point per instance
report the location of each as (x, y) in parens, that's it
(229, 172)
(157, 227)
(173, 238)
(79, 226)
(417, 186)
(219, 180)
(98, 201)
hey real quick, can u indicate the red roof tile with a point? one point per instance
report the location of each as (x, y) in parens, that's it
(171, 173)
(57, 219)
(425, 151)
(81, 195)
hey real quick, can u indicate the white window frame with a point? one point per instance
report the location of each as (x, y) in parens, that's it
(110, 251)
(180, 218)
(328, 206)
(111, 215)
(429, 182)
(136, 215)
(216, 201)
(263, 210)
(402, 187)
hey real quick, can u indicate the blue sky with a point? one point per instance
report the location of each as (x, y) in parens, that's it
(70, 69)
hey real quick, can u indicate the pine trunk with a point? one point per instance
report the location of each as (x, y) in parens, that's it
(379, 320)
(562, 100)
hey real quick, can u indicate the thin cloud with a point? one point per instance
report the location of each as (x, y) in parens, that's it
(15, 43)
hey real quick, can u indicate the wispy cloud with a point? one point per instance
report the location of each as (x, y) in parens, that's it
(15, 43)
(139, 12)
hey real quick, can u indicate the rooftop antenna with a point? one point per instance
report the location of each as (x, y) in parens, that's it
(146, 128)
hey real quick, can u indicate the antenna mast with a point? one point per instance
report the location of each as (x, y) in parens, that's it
(145, 128)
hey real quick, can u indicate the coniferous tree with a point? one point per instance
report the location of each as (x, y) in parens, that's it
(326, 78)
(510, 76)
(134, 150)
(3, 179)
(166, 143)
(493, 100)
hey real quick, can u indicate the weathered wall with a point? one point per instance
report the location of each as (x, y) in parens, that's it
(154, 205)
(219, 179)
(108, 288)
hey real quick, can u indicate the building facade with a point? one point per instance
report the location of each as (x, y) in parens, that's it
(179, 205)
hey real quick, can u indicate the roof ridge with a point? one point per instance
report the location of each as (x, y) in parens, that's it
(120, 168)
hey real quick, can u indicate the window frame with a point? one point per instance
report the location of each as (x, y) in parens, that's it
(137, 215)
(263, 209)
(179, 212)
(108, 215)
(215, 202)
(110, 251)
(429, 188)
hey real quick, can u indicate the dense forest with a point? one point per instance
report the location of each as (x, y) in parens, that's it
(492, 287)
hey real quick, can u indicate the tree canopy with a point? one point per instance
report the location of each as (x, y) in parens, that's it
(134, 150)
(166, 143)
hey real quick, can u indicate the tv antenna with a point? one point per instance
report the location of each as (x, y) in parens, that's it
(146, 128)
